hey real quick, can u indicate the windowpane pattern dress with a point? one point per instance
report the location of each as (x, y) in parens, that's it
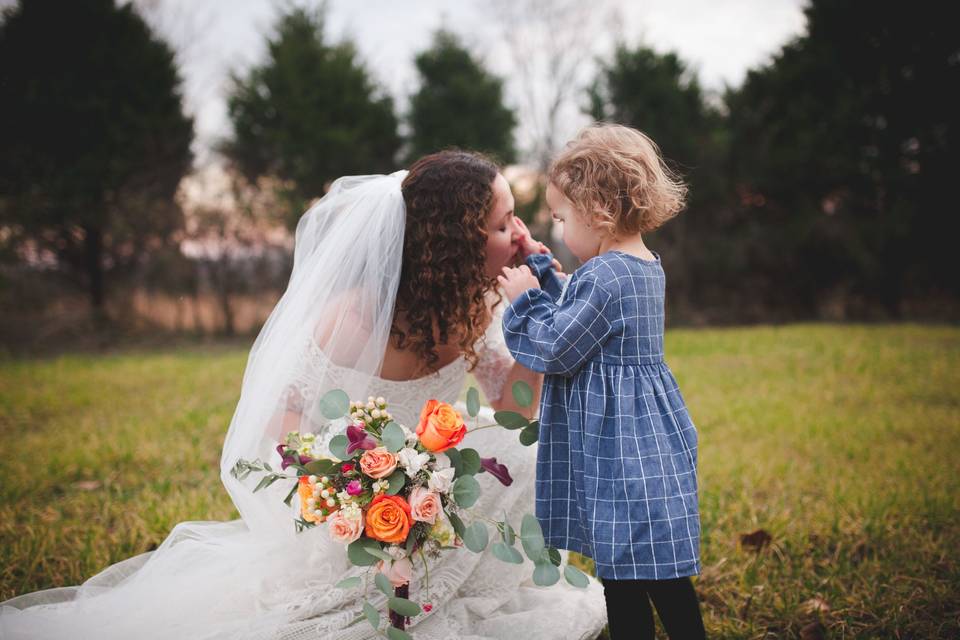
(616, 462)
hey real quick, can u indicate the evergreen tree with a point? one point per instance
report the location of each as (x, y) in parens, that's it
(94, 137)
(459, 104)
(309, 114)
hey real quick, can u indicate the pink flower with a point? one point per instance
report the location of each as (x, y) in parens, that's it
(398, 573)
(343, 529)
(354, 488)
(378, 462)
(425, 505)
(427, 608)
(346, 467)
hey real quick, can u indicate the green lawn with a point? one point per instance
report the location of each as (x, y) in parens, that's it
(841, 442)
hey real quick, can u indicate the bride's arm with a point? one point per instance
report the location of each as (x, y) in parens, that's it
(497, 371)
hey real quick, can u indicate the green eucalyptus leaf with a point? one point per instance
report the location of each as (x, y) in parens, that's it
(522, 393)
(506, 554)
(404, 607)
(293, 492)
(357, 554)
(334, 404)
(475, 537)
(397, 634)
(554, 556)
(471, 462)
(466, 491)
(456, 460)
(383, 583)
(510, 419)
(531, 537)
(338, 447)
(348, 583)
(576, 577)
(457, 523)
(377, 552)
(397, 479)
(545, 574)
(393, 437)
(321, 467)
(509, 535)
(530, 434)
(373, 616)
(473, 402)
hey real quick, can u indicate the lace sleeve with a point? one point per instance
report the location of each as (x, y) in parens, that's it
(495, 361)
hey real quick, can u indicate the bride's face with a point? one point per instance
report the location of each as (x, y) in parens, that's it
(502, 232)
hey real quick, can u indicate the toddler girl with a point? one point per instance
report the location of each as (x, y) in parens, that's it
(616, 464)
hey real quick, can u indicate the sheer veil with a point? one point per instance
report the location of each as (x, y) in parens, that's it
(339, 301)
(254, 578)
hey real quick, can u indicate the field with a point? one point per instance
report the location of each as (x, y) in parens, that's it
(830, 493)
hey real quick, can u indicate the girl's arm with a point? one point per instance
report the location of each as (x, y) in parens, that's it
(558, 339)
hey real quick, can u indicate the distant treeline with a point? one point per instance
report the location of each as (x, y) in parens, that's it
(819, 188)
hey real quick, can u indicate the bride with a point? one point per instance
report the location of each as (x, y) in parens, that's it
(392, 294)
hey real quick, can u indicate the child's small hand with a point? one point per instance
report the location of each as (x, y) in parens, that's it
(516, 280)
(528, 246)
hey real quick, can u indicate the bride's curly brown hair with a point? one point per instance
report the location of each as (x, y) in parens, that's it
(443, 282)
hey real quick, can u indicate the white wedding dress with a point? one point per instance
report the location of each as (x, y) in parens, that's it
(473, 596)
(254, 579)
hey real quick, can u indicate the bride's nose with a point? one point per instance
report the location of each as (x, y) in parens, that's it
(515, 232)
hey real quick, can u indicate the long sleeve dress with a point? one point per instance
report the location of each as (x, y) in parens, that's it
(617, 455)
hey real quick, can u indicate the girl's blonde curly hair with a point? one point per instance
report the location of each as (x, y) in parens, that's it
(616, 177)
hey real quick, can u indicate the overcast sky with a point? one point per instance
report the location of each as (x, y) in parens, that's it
(720, 39)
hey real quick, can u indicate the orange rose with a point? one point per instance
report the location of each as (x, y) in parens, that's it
(440, 427)
(388, 519)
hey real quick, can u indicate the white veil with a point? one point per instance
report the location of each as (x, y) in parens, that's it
(254, 578)
(338, 307)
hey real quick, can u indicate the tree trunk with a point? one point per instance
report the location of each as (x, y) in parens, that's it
(93, 263)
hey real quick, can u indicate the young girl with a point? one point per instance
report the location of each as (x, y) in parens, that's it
(616, 466)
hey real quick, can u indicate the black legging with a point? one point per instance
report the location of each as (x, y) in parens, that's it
(630, 616)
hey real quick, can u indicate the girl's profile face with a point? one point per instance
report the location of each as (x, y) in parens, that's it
(502, 232)
(582, 241)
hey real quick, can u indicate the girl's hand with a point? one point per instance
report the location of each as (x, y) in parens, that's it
(517, 280)
(528, 246)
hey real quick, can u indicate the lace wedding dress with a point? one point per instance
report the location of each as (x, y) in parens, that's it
(473, 596)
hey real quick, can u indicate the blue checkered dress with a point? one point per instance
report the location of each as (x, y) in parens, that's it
(616, 464)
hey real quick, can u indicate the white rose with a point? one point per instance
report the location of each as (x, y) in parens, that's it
(411, 437)
(412, 461)
(443, 461)
(441, 480)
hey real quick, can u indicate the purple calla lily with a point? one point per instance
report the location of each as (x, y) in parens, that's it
(359, 439)
(497, 470)
(291, 458)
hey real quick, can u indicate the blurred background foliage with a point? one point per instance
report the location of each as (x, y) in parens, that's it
(819, 187)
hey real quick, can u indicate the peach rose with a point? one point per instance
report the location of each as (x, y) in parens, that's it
(344, 529)
(388, 519)
(398, 572)
(425, 505)
(440, 426)
(378, 463)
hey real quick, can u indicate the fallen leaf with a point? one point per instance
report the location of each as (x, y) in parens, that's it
(813, 631)
(87, 485)
(755, 540)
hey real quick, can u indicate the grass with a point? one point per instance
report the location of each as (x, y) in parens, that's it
(840, 442)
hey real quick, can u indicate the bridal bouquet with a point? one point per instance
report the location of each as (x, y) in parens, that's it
(394, 496)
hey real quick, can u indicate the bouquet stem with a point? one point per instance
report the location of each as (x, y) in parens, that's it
(398, 621)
